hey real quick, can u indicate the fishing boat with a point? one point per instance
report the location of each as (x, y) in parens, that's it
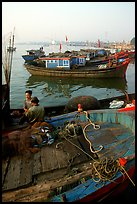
(91, 158)
(33, 54)
(51, 68)
(97, 61)
(131, 53)
(125, 102)
(79, 141)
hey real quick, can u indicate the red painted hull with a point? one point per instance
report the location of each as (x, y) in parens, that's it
(127, 109)
(111, 190)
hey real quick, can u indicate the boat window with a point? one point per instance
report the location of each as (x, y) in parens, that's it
(66, 62)
(81, 59)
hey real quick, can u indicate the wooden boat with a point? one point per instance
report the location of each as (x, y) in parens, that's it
(33, 174)
(103, 60)
(33, 54)
(131, 53)
(120, 56)
(91, 159)
(51, 111)
(96, 62)
(128, 107)
(89, 72)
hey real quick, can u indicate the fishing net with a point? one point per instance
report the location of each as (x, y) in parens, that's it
(23, 141)
(87, 103)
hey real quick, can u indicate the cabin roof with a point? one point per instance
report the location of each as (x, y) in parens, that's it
(54, 58)
(80, 56)
(33, 50)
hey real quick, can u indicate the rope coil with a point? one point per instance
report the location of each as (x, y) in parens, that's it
(95, 126)
(104, 169)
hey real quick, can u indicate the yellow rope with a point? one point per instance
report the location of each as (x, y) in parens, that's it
(103, 170)
(91, 149)
(95, 127)
(113, 170)
(106, 169)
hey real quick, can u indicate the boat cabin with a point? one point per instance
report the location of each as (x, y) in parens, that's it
(78, 60)
(33, 54)
(100, 53)
(37, 52)
(56, 62)
(90, 55)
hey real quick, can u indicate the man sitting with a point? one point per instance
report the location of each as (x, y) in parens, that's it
(34, 114)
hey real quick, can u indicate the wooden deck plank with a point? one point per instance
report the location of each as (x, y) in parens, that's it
(5, 164)
(48, 159)
(13, 175)
(37, 168)
(26, 170)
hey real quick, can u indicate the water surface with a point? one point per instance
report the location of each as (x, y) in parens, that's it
(53, 91)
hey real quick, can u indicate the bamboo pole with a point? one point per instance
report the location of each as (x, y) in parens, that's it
(7, 66)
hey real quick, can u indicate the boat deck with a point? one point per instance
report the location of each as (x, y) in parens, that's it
(56, 164)
(34, 174)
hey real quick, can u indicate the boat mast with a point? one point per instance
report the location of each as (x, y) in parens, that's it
(7, 66)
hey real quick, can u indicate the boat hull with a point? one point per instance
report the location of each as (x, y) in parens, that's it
(112, 190)
(29, 57)
(105, 61)
(118, 71)
(117, 135)
(109, 190)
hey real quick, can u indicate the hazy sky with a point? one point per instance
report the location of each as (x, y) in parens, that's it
(80, 21)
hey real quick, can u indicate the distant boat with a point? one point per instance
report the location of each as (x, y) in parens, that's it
(131, 53)
(33, 54)
(103, 60)
(61, 67)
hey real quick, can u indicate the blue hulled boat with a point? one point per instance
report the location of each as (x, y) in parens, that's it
(111, 137)
(91, 159)
(33, 54)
